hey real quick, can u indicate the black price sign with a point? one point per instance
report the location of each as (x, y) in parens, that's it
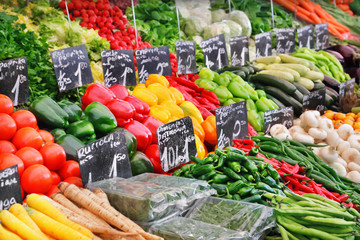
(176, 142)
(14, 81)
(153, 60)
(285, 40)
(118, 67)
(215, 53)
(263, 44)
(315, 101)
(346, 88)
(105, 158)
(306, 37)
(283, 116)
(231, 123)
(322, 36)
(239, 50)
(10, 191)
(186, 59)
(72, 67)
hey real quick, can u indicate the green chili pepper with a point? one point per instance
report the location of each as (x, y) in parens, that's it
(220, 178)
(207, 176)
(249, 177)
(235, 186)
(250, 166)
(254, 151)
(264, 186)
(188, 167)
(254, 198)
(232, 156)
(271, 182)
(231, 174)
(187, 174)
(236, 197)
(220, 188)
(274, 174)
(234, 150)
(244, 191)
(257, 177)
(235, 166)
(199, 170)
(177, 173)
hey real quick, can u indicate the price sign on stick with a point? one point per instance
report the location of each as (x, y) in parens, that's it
(285, 40)
(14, 81)
(346, 89)
(306, 37)
(239, 50)
(263, 44)
(72, 67)
(186, 59)
(118, 67)
(231, 123)
(153, 60)
(283, 116)
(215, 53)
(105, 158)
(315, 101)
(322, 36)
(10, 191)
(176, 142)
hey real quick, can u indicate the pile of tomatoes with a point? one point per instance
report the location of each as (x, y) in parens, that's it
(41, 163)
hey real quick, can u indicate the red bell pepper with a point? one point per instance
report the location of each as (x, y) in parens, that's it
(123, 111)
(152, 152)
(142, 108)
(152, 124)
(142, 134)
(97, 93)
(120, 91)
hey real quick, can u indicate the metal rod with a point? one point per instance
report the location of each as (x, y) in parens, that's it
(272, 13)
(67, 11)
(229, 9)
(136, 32)
(178, 20)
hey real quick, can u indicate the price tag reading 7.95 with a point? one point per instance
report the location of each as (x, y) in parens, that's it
(176, 142)
(231, 123)
(215, 53)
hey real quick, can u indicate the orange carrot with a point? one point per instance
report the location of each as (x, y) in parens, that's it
(339, 29)
(307, 5)
(302, 10)
(315, 18)
(343, 7)
(333, 31)
(305, 17)
(287, 4)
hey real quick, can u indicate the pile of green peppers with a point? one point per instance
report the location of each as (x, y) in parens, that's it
(230, 87)
(234, 175)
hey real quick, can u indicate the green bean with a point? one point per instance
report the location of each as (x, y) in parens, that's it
(283, 233)
(299, 212)
(330, 212)
(346, 229)
(332, 222)
(322, 199)
(305, 204)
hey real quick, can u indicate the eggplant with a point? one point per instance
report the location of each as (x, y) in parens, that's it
(346, 51)
(337, 55)
(332, 91)
(331, 82)
(354, 72)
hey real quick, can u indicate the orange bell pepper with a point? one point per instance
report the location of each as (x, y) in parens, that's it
(209, 126)
(157, 78)
(198, 129)
(200, 147)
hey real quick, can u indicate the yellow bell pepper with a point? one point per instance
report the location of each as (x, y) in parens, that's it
(179, 97)
(160, 112)
(174, 109)
(198, 130)
(140, 86)
(145, 95)
(200, 147)
(171, 119)
(163, 93)
(157, 78)
(191, 110)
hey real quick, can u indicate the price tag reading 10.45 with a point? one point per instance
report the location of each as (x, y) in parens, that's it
(176, 142)
(215, 53)
(231, 123)
(72, 67)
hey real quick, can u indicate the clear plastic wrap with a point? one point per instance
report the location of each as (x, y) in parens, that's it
(254, 219)
(180, 228)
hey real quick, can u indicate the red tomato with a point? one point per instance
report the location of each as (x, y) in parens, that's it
(54, 156)
(36, 179)
(71, 168)
(9, 160)
(53, 189)
(27, 137)
(74, 180)
(7, 147)
(55, 178)
(7, 127)
(24, 118)
(30, 156)
(6, 105)
(62, 4)
(46, 136)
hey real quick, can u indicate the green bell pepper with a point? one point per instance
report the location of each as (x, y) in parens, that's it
(130, 141)
(222, 80)
(229, 102)
(260, 93)
(57, 133)
(222, 93)
(255, 120)
(140, 163)
(101, 117)
(84, 130)
(263, 104)
(238, 99)
(70, 144)
(250, 105)
(207, 84)
(252, 93)
(49, 112)
(238, 90)
(206, 73)
(73, 110)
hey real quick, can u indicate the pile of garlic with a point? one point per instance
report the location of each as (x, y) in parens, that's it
(342, 152)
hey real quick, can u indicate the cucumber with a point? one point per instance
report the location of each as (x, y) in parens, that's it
(298, 96)
(260, 66)
(258, 85)
(281, 67)
(228, 68)
(290, 59)
(301, 69)
(275, 100)
(270, 80)
(313, 75)
(301, 88)
(285, 99)
(318, 85)
(307, 83)
(280, 74)
(268, 60)
(240, 73)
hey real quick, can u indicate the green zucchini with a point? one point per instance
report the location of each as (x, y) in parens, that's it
(290, 59)
(283, 68)
(318, 85)
(270, 80)
(301, 88)
(298, 96)
(275, 100)
(268, 60)
(301, 69)
(285, 99)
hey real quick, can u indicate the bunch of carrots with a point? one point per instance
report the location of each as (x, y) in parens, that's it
(314, 13)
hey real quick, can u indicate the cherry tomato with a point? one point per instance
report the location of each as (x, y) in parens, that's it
(36, 179)
(70, 169)
(9, 160)
(6, 105)
(54, 156)
(74, 180)
(46, 136)
(30, 156)
(53, 189)
(55, 178)
(27, 137)
(24, 118)
(7, 127)
(7, 147)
